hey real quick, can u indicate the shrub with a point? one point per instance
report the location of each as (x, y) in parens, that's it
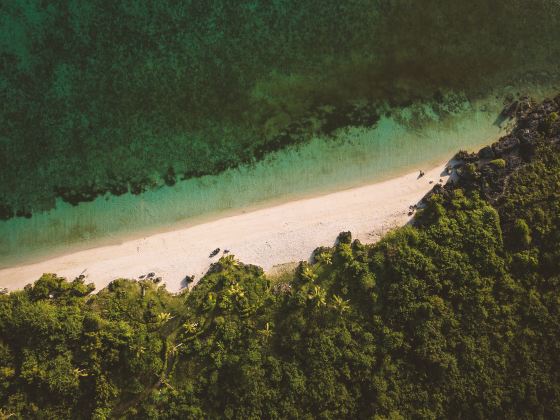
(498, 163)
(522, 232)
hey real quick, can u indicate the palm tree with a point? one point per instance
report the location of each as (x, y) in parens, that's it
(173, 349)
(210, 301)
(228, 262)
(140, 351)
(308, 274)
(5, 415)
(163, 317)
(190, 327)
(236, 290)
(318, 295)
(163, 381)
(79, 372)
(340, 304)
(266, 332)
(325, 258)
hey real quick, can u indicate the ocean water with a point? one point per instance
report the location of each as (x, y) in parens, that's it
(403, 140)
(110, 95)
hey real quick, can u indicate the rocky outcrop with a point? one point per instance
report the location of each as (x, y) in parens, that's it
(489, 169)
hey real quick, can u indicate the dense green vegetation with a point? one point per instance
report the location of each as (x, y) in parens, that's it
(456, 316)
(109, 97)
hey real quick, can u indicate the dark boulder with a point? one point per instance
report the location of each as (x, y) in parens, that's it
(137, 187)
(6, 212)
(117, 188)
(23, 213)
(79, 194)
(505, 145)
(527, 150)
(486, 153)
(465, 156)
(510, 110)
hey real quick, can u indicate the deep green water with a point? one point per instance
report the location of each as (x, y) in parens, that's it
(106, 96)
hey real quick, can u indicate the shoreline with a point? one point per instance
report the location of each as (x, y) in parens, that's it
(269, 235)
(359, 157)
(123, 237)
(39, 256)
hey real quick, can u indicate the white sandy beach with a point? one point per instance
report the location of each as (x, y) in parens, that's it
(267, 237)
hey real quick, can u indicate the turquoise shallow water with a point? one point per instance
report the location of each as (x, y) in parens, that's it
(408, 139)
